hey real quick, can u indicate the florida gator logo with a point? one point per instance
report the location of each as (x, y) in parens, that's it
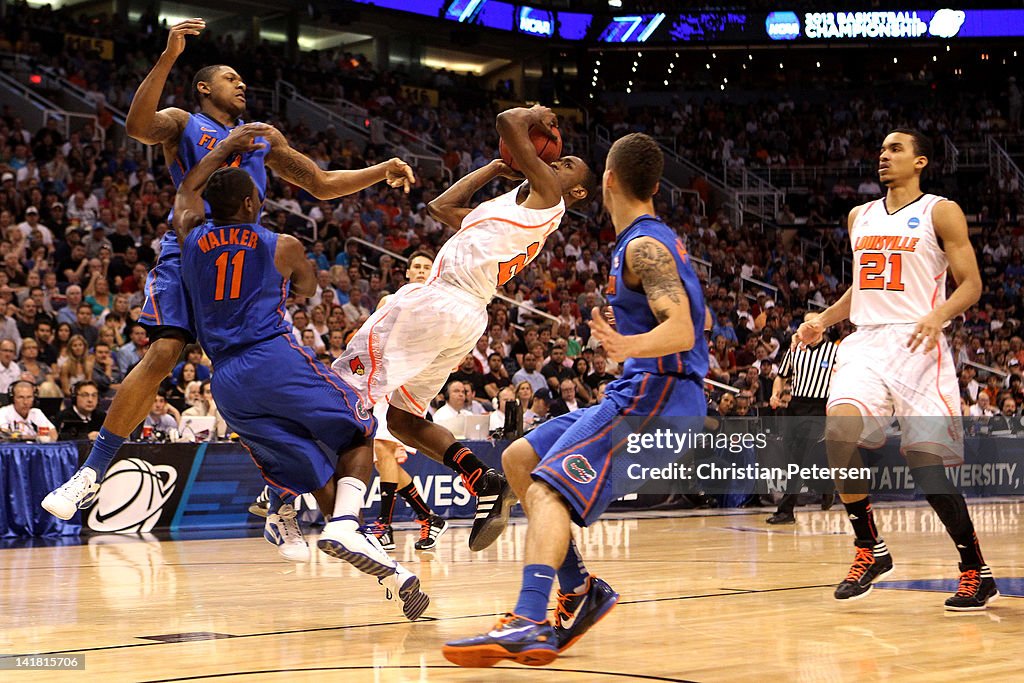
(579, 469)
(356, 366)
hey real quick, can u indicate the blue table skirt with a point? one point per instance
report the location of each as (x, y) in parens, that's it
(29, 471)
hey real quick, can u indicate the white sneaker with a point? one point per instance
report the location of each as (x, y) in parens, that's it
(363, 551)
(282, 529)
(77, 492)
(405, 586)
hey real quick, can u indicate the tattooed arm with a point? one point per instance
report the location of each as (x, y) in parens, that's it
(298, 169)
(651, 267)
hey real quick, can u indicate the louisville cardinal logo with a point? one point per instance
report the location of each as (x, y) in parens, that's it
(356, 366)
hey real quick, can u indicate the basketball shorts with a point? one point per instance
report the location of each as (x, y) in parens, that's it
(877, 373)
(166, 308)
(406, 350)
(281, 401)
(584, 455)
(385, 437)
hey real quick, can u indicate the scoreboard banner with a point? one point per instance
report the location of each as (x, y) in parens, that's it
(840, 24)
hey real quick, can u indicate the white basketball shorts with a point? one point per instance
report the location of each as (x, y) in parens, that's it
(406, 350)
(877, 373)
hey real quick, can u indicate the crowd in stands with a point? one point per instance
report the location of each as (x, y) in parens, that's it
(81, 223)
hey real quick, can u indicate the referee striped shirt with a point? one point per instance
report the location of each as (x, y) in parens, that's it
(810, 368)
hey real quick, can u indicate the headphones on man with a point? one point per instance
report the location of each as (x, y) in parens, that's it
(35, 391)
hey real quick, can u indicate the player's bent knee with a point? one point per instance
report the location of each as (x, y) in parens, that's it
(844, 424)
(162, 353)
(541, 494)
(519, 457)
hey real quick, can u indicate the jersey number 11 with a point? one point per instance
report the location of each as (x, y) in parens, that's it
(237, 263)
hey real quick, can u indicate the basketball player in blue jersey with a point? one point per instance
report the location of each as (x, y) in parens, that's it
(562, 471)
(274, 394)
(186, 139)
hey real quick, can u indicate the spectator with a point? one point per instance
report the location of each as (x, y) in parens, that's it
(566, 402)
(452, 414)
(78, 363)
(38, 372)
(131, 353)
(20, 416)
(83, 419)
(497, 377)
(497, 420)
(73, 299)
(581, 368)
(204, 405)
(467, 374)
(528, 373)
(160, 417)
(556, 367)
(194, 355)
(84, 325)
(174, 390)
(538, 410)
(10, 371)
(106, 373)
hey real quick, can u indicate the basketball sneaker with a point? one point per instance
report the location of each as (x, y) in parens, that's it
(494, 501)
(577, 612)
(383, 533)
(522, 640)
(873, 562)
(282, 529)
(405, 585)
(430, 530)
(261, 505)
(977, 589)
(363, 551)
(781, 517)
(76, 493)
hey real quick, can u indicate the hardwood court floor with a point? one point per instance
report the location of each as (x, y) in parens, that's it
(719, 597)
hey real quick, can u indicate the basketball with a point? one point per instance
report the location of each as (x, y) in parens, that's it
(547, 149)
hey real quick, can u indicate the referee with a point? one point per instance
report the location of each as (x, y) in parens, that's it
(810, 370)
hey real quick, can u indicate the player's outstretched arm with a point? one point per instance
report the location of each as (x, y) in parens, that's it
(514, 128)
(189, 209)
(453, 204)
(290, 259)
(144, 123)
(652, 263)
(951, 228)
(298, 169)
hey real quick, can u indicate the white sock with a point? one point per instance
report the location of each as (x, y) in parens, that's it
(348, 500)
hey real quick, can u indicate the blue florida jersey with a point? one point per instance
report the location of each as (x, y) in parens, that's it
(200, 136)
(236, 293)
(633, 313)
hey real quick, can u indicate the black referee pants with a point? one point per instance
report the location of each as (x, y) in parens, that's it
(802, 432)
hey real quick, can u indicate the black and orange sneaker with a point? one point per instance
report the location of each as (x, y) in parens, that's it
(383, 533)
(430, 529)
(977, 589)
(872, 563)
(494, 501)
(514, 638)
(577, 612)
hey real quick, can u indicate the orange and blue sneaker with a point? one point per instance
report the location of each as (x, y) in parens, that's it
(514, 638)
(577, 612)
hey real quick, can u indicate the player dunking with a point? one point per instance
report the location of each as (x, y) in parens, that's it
(562, 470)
(405, 351)
(237, 276)
(898, 361)
(187, 138)
(389, 454)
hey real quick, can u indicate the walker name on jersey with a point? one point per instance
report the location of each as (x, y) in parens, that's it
(228, 237)
(438, 490)
(887, 243)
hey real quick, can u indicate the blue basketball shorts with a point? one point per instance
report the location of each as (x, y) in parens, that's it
(281, 401)
(583, 454)
(166, 306)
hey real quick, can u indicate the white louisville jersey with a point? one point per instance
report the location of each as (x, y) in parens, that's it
(899, 269)
(496, 242)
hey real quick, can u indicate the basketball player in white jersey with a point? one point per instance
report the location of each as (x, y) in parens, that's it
(389, 454)
(405, 351)
(898, 361)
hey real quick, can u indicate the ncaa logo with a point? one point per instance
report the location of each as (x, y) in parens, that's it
(913, 222)
(579, 469)
(133, 497)
(782, 25)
